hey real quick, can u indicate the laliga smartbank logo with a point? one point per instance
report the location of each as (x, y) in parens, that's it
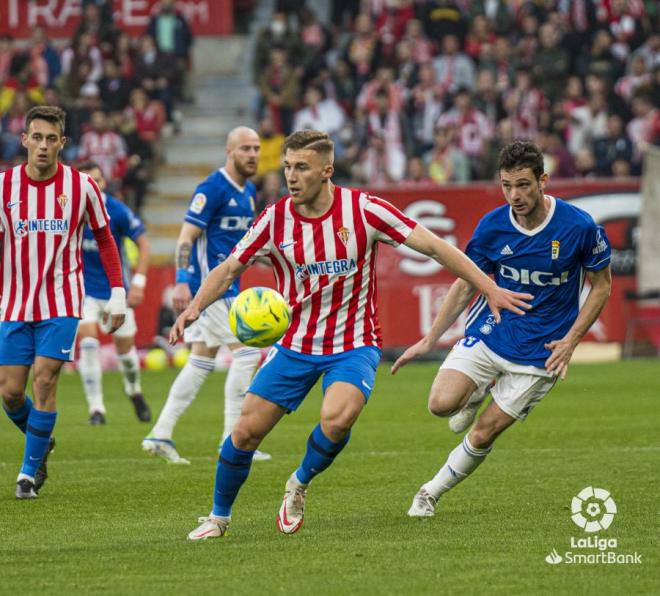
(593, 510)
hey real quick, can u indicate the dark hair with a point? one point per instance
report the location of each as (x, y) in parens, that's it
(315, 140)
(87, 166)
(519, 155)
(51, 114)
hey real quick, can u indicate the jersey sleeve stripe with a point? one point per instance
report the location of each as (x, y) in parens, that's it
(198, 222)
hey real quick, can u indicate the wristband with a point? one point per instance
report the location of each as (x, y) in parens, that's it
(182, 276)
(139, 280)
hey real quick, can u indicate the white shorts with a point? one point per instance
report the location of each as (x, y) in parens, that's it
(518, 387)
(93, 313)
(212, 327)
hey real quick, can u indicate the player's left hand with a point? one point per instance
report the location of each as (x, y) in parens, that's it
(420, 348)
(501, 298)
(114, 312)
(557, 362)
(135, 296)
(186, 318)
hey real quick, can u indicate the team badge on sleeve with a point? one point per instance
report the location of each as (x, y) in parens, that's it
(555, 249)
(198, 203)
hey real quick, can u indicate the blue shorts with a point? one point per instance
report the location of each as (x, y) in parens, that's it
(22, 341)
(286, 377)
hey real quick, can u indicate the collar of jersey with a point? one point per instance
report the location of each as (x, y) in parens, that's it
(328, 213)
(32, 182)
(231, 180)
(538, 229)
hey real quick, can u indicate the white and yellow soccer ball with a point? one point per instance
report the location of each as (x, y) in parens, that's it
(258, 317)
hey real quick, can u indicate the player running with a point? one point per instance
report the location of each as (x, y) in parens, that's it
(538, 244)
(220, 212)
(123, 224)
(321, 241)
(43, 208)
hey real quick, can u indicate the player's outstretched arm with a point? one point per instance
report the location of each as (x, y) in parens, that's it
(424, 241)
(562, 349)
(217, 282)
(182, 295)
(135, 294)
(459, 296)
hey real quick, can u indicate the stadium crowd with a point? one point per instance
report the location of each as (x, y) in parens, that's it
(419, 91)
(119, 92)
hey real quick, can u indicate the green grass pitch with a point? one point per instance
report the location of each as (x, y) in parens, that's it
(112, 519)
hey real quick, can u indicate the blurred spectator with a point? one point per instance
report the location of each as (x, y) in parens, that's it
(82, 49)
(474, 131)
(446, 162)
(486, 99)
(638, 76)
(174, 40)
(588, 123)
(104, 146)
(383, 82)
(123, 56)
(424, 108)
(643, 129)
(441, 18)
(42, 49)
(526, 106)
(102, 32)
(278, 85)
(271, 190)
(417, 172)
(20, 79)
(478, 35)
(551, 63)
(421, 47)
(390, 23)
(361, 50)
(343, 86)
(13, 124)
(614, 147)
(453, 69)
(156, 72)
(557, 161)
(498, 12)
(277, 34)
(406, 67)
(6, 55)
(585, 164)
(321, 114)
(113, 88)
(105, 6)
(316, 42)
(272, 142)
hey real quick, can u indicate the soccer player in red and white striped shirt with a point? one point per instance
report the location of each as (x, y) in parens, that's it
(321, 241)
(43, 208)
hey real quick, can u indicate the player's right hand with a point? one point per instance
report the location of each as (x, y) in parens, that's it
(181, 297)
(186, 318)
(501, 298)
(419, 349)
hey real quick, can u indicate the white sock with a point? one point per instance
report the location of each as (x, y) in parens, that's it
(130, 370)
(241, 371)
(90, 370)
(183, 391)
(462, 461)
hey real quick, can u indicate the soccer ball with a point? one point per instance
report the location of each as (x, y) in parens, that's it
(156, 359)
(180, 357)
(258, 317)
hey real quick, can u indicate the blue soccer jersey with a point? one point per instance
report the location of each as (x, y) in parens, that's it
(224, 211)
(123, 224)
(548, 262)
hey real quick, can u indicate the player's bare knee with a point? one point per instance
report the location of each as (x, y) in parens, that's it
(243, 437)
(440, 406)
(482, 437)
(13, 400)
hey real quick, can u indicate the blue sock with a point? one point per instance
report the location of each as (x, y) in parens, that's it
(231, 472)
(321, 452)
(20, 417)
(39, 428)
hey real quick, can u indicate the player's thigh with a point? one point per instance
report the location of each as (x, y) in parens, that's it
(199, 348)
(87, 329)
(214, 324)
(92, 311)
(257, 419)
(341, 407)
(518, 394)
(285, 379)
(468, 367)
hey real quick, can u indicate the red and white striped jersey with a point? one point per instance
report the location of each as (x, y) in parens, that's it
(326, 267)
(41, 232)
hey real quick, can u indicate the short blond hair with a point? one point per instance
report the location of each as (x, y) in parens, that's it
(314, 140)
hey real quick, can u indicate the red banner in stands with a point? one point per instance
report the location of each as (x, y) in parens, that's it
(411, 287)
(61, 17)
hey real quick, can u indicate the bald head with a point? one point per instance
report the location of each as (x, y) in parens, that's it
(242, 150)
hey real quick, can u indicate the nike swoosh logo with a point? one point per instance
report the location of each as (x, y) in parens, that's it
(34, 458)
(285, 519)
(10, 205)
(367, 386)
(66, 351)
(284, 245)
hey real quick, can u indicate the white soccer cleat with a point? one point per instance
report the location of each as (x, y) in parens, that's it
(292, 512)
(463, 419)
(163, 448)
(261, 456)
(423, 504)
(211, 527)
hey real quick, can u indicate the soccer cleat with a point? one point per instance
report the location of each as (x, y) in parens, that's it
(211, 527)
(465, 416)
(25, 489)
(142, 410)
(292, 512)
(163, 448)
(97, 418)
(423, 504)
(261, 456)
(42, 471)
